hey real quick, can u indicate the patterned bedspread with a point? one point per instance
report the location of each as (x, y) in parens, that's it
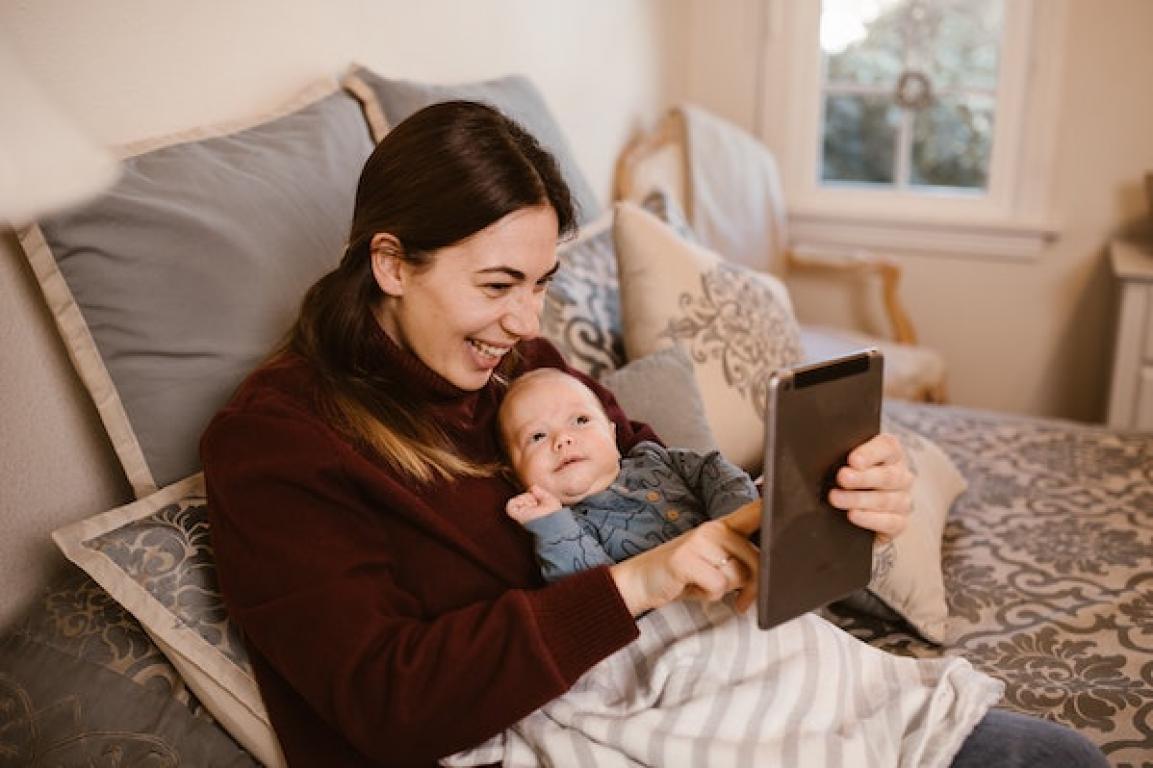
(1048, 563)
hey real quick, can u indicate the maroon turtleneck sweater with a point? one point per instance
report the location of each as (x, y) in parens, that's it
(389, 622)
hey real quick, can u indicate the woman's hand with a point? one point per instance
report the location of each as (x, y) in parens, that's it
(706, 563)
(874, 487)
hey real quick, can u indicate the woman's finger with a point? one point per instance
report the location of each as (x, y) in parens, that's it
(745, 519)
(886, 477)
(886, 524)
(891, 502)
(882, 449)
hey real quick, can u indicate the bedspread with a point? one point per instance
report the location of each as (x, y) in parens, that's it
(1048, 564)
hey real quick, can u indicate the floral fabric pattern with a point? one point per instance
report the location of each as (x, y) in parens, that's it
(582, 311)
(1048, 565)
(737, 320)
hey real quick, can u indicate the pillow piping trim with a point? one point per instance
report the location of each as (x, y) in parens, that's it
(370, 105)
(86, 359)
(70, 539)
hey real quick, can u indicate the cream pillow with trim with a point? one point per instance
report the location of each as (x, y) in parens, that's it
(736, 324)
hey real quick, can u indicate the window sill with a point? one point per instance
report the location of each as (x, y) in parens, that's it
(1009, 241)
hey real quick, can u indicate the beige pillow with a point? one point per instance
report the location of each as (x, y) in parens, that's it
(737, 324)
(907, 575)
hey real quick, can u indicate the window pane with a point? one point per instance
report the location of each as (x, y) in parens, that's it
(956, 42)
(860, 138)
(861, 43)
(952, 141)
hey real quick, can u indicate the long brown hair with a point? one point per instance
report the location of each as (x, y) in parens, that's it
(437, 178)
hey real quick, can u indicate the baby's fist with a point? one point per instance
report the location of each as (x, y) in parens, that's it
(534, 503)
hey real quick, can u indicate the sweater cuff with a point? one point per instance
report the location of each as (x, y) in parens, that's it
(582, 619)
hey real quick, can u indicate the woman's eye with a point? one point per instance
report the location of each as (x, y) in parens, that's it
(542, 285)
(497, 287)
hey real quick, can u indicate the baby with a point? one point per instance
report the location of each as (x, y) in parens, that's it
(585, 505)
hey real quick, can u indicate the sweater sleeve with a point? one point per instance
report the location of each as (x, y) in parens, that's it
(564, 546)
(720, 485)
(311, 578)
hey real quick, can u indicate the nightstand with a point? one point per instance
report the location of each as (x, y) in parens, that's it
(1131, 392)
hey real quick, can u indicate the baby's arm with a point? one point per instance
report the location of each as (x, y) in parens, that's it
(720, 485)
(563, 545)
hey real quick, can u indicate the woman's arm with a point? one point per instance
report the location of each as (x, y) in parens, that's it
(338, 586)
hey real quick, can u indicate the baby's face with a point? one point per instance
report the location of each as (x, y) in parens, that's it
(558, 437)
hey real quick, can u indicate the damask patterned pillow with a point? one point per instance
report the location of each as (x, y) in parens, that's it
(81, 683)
(737, 324)
(582, 311)
(154, 557)
(908, 580)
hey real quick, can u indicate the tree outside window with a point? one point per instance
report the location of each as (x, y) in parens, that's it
(909, 92)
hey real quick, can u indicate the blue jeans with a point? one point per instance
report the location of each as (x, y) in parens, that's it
(1006, 739)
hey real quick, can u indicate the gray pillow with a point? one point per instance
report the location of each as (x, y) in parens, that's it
(81, 682)
(192, 267)
(661, 390)
(513, 95)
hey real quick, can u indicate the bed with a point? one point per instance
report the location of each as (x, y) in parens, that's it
(1042, 549)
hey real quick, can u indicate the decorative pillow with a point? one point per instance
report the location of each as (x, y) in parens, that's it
(80, 681)
(172, 285)
(386, 102)
(154, 557)
(661, 391)
(582, 310)
(908, 582)
(736, 324)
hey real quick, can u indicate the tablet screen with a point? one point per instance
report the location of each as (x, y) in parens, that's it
(810, 553)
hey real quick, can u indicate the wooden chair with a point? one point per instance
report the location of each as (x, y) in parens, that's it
(659, 160)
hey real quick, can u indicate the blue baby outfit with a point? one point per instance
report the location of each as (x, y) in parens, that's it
(659, 494)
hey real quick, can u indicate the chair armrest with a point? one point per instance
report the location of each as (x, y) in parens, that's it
(866, 263)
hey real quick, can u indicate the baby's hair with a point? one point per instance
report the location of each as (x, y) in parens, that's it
(526, 378)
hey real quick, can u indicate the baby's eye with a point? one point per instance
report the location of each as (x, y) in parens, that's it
(582, 419)
(536, 437)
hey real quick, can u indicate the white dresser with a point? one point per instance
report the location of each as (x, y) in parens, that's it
(1131, 392)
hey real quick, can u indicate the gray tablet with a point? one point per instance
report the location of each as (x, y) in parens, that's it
(810, 553)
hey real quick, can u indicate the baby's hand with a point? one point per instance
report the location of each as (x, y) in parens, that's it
(533, 504)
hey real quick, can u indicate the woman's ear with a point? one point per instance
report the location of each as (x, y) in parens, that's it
(388, 266)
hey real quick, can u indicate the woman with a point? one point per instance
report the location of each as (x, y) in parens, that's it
(393, 612)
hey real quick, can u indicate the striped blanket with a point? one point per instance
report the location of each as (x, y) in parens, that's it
(704, 686)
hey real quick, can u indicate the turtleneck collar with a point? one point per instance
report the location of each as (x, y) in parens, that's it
(439, 390)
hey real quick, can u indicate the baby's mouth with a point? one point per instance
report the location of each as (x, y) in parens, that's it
(567, 462)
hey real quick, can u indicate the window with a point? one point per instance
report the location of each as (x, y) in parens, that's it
(926, 124)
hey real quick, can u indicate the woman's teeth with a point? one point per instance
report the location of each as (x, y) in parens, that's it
(488, 349)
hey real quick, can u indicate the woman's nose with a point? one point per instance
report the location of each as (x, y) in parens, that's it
(523, 317)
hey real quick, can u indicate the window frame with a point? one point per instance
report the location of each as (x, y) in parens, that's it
(1011, 220)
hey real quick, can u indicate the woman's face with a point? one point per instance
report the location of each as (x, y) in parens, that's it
(463, 313)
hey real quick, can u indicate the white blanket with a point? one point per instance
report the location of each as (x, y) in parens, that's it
(704, 686)
(738, 208)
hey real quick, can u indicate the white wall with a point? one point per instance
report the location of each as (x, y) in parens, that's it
(131, 69)
(1034, 337)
